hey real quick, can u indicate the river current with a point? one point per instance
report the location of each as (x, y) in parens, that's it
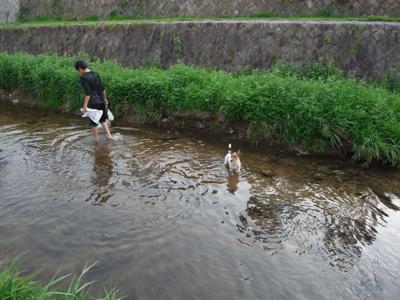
(163, 218)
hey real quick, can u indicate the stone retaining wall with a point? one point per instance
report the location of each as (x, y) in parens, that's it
(206, 8)
(369, 49)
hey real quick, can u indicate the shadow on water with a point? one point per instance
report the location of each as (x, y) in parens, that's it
(166, 220)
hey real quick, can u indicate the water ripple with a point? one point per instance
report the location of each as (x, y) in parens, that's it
(150, 209)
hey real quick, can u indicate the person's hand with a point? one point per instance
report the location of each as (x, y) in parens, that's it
(106, 101)
(85, 109)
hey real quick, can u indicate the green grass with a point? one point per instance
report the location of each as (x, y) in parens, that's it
(316, 105)
(113, 18)
(16, 286)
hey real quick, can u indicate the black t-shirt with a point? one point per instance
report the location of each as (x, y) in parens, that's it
(93, 87)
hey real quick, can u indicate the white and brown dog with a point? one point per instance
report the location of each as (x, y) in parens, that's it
(232, 160)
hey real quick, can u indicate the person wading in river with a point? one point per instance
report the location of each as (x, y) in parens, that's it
(95, 96)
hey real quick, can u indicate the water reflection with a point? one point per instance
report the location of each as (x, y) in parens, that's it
(102, 172)
(232, 183)
(326, 221)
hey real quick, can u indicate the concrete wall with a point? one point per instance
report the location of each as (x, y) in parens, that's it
(8, 10)
(369, 49)
(146, 8)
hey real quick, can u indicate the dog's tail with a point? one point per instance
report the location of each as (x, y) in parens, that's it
(229, 148)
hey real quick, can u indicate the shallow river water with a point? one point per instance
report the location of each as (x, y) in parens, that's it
(164, 220)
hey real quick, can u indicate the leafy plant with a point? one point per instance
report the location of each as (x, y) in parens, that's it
(15, 286)
(23, 12)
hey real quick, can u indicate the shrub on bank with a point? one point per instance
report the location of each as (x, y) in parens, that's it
(317, 106)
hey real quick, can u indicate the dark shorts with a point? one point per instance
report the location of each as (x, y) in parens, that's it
(100, 106)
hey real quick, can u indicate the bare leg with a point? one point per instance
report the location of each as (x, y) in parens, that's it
(106, 130)
(95, 133)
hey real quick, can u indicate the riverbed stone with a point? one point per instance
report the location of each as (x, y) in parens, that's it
(268, 173)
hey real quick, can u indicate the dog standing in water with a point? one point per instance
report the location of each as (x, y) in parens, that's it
(232, 160)
(95, 97)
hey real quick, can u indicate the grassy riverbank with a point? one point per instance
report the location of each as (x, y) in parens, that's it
(316, 106)
(16, 286)
(113, 19)
(322, 15)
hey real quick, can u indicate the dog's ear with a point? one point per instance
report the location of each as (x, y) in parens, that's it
(238, 152)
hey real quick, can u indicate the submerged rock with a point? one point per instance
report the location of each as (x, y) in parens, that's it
(337, 172)
(317, 177)
(169, 138)
(243, 219)
(268, 173)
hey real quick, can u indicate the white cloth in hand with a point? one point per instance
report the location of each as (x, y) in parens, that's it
(92, 114)
(110, 115)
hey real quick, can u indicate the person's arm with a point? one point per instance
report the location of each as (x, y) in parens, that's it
(86, 87)
(105, 97)
(103, 90)
(85, 103)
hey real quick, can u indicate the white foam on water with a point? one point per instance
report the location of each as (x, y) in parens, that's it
(117, 137)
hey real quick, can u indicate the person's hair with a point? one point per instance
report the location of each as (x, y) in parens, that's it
(81, 64)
